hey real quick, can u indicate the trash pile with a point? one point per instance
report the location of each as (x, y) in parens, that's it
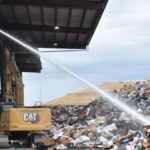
(101, 125)
(138, 96)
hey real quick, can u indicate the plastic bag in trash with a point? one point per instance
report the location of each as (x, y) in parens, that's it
(81, 139)
(109, 128)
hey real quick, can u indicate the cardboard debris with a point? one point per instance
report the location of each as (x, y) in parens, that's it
(49, 142)
(99, 124)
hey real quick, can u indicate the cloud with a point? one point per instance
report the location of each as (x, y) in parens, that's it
(124, 23)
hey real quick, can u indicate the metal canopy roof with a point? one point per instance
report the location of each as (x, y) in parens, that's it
(50, 24)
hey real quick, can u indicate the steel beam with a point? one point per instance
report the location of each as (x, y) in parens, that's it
(57, 3)
(46, 28)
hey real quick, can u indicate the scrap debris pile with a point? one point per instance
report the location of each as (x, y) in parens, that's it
(99, 124)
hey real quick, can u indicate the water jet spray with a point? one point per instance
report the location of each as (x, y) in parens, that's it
(115, 101)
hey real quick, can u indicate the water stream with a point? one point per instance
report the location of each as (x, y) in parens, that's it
(114, 101)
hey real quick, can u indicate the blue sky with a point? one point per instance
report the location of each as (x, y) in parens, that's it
(118, 51)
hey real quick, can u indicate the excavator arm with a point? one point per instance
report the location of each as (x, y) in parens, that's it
(11, 81)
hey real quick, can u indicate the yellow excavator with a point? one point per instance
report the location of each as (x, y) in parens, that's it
(17, 123)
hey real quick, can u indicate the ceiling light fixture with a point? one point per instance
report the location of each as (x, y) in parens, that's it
(55, 44)
(56, 27)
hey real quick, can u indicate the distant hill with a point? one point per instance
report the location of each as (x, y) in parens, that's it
(85, 96)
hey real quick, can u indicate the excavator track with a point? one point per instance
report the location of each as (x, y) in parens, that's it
(18, 149)
(6, 145)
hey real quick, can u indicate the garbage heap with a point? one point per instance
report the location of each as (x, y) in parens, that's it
(100, 124)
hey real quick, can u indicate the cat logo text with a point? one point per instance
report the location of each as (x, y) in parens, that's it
(31, 117)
